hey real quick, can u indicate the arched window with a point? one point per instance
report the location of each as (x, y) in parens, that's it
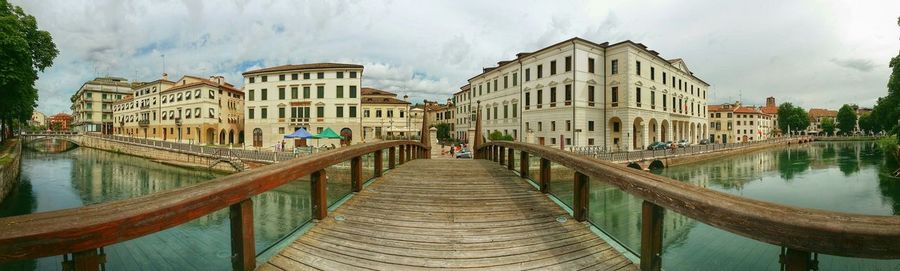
(257, 137)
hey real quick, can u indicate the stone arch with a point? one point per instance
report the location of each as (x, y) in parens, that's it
(653, 129)
(637, 133)
(257, 137)
(656, 164)
(231, 136)
(222, 137)
(241, 137)
(635, 165)
(210, 136)
(615, 136)
(664, 131)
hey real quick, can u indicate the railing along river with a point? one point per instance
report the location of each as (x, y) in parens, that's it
(83, 232)
(800, 232)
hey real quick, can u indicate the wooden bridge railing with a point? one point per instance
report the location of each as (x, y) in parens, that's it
(801, 231)
(81, 231)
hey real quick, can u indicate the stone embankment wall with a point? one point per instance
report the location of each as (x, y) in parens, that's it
(162, 155)
(693, 158)
(9, 173)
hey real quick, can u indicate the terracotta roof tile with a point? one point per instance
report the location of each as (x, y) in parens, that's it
(311, 66)
(819, 112)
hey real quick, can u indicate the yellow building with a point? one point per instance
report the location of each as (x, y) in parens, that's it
(92, 103)
(385, 116)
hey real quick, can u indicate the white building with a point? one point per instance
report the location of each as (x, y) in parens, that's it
(577, 92)
(92, 103)
(316, 96)
(385, 116)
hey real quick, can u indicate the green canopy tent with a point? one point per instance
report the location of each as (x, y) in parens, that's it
(327, 134)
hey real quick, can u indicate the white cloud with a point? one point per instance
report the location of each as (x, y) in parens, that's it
(750, 49)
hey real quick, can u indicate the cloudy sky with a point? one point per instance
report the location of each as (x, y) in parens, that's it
(811, 53)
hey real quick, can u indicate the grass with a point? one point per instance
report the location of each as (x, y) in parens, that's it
(6, 149)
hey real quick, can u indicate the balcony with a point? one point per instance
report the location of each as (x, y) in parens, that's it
(299, 120)
(145, 106)
(107, 110)
(144, 123)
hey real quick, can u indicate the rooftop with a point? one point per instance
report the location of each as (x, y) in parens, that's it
(300, 67)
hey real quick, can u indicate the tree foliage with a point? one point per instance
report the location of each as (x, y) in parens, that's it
(828, 126)
(443, 131)
(792, 118)
(887, 108)
(498, 136)
(24, 51)
(846, 119)
(867, 123)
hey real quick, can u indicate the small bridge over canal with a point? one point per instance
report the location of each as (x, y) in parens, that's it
(516, 206)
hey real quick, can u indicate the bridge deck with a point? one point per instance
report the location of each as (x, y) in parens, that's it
(449, 214)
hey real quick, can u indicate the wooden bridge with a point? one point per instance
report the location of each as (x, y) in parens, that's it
(490, 213)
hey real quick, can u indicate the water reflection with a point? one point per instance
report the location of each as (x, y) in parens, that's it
(847, 177)
(83, 176)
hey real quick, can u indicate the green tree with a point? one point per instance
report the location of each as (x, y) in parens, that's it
(846, 119)
(887, 108)
(792, 118)
(443, 131)
(828, 126)
(24, 51)
(867, 123)
(498, 136)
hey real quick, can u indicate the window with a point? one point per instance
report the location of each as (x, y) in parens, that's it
(652, 99)
(515, 81)
(320, 92)
(340, 74)
(591, 98)
(505, 111)
(377, 113)
(263, 94)
(294, 93)
(616, 127)
(320, 75)
(540, 97)
(352, 91)
(305, 92)
(527, 75)
(281, 93)
(527, 99)
(552, 67)
(352, 74)
(352, 108)
(568, 95)
(281, 112)
(590, 126)
(652, 73)
(664, 101)
(281, 77)
(294, 76)
(664, 77)
(568, 63)
(495, 85)
(637, 65)
(615, 96)
(552, 97)
(505, 81)
(637, 97)
(320, 111)
(339, 111)
(553, 126)
(515, 110)
(340, 92)
(257, 137)
(264, 113)
(306, 75)
(252, 80)
(540, 71)
(590, 65)
(568, 125)
(540, 126)
(249, 97)
(614, 66)
(265, 78)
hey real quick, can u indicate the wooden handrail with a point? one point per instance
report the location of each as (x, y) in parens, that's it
(803, 229)
(94, 226)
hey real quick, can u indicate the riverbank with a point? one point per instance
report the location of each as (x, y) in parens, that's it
(700, 157)
(169, 157)
(10, 166)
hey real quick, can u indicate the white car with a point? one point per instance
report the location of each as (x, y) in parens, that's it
(464, 153)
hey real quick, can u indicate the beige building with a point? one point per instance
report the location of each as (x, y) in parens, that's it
(734, 123)
(315, 96)
(38, 119)
(816, 115)
(463, 117)
(92, 103)
(191, 110)
(385, 116)
(619, 96)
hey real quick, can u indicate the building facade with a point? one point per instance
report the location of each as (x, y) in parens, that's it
(190, 110)
(38, 119)
(463, 117)
(619, 96)
(60, 122)
(734, 123)
(816, 115)
(92, 103)
(316, 96)
(385, 116)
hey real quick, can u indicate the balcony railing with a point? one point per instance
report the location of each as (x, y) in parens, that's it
(145, 106)
(144, 123)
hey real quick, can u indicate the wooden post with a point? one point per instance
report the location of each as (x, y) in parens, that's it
(243, 247)
(544, 183)
(319, 194)
(523, 164)
(580, 202)
(356, 174)
(510, 153)
(502, 157)
(797, 260)
(651, 236)
(392, 158)
(379, 163)
(87, 260)
(402, 155)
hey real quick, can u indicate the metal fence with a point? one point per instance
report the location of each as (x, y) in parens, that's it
(213, 151)
(600, 153)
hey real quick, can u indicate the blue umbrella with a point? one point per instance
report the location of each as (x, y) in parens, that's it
(300, 133)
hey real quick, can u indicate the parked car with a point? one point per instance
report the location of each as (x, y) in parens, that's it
(464, 153)
(683, 143)
(704, 141)
(657, 146)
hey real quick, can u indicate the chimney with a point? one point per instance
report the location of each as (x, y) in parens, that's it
(165, 76)
(405, 98)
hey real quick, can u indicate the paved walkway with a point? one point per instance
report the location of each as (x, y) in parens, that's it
(457, 214)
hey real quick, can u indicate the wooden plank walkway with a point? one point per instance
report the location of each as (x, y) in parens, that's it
(449, 214)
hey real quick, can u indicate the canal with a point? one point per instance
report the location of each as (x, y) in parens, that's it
(846, 177)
